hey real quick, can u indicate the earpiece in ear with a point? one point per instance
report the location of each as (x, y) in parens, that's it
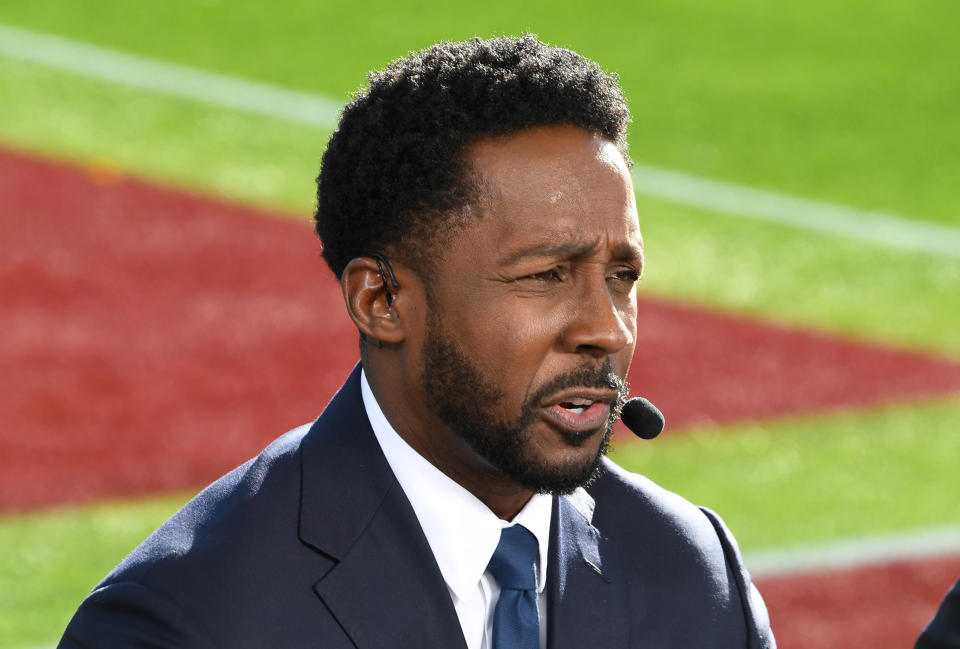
(381, 262)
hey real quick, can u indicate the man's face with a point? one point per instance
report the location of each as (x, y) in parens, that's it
(532, 321)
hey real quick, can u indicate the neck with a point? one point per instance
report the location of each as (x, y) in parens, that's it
(442, 447)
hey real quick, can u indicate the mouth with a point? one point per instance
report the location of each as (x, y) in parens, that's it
(579, 412)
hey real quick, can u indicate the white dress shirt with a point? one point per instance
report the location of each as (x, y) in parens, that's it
(462, 532)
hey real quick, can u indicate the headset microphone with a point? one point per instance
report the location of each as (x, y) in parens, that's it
(642, 418)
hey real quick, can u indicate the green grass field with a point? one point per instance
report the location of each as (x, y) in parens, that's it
(852, 102)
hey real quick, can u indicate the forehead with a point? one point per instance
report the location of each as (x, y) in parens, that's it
(550, 183)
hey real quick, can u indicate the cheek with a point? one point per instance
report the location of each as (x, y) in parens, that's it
(511, 342)
(530, 351)
(518, 337)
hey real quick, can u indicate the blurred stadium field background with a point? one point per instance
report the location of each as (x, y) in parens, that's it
(853, 104)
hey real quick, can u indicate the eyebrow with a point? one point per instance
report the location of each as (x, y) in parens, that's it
(573, 250)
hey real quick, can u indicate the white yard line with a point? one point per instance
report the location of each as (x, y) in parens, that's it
(853, 553)
(166, 78)
(319, 111)
(800, 213)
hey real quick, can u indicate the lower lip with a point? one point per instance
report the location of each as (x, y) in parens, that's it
(592, 418)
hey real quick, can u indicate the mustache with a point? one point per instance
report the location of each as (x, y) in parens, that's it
(587, 375)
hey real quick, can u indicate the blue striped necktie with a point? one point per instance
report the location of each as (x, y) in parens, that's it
(514, 566)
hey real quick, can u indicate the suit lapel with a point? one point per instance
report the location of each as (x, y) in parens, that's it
(385, 588)
(587, 597)
(388, 591)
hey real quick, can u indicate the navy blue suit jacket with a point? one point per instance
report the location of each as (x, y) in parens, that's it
(943, 632)
(314, 544)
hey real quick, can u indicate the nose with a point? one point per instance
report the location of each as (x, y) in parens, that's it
(598, 325)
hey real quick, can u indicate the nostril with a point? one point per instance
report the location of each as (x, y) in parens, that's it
(592, 350)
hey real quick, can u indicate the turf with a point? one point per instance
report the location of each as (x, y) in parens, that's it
(851, 101)
(816, 478)
(882, 606)
(246, 157)
(51, 560)
(845, 286)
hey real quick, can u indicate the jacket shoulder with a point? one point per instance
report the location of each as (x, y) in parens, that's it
(150, 620)
(657, 529)
(219, 571)
(244, 503)
(665, 540)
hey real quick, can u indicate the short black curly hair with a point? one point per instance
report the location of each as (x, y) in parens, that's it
(393, 176)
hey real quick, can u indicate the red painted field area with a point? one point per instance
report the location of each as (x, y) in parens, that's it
(156, 339)
(877, 606)
(153, 339)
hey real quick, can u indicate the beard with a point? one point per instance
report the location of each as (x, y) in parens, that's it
(463, 399)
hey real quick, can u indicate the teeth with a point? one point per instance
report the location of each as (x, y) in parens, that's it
(577, 405)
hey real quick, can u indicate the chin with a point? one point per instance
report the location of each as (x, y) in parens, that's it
(551, 475)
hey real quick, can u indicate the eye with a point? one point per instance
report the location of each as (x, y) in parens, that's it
(626, 275)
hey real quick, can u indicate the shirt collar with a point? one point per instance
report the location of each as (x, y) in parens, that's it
(462, 532)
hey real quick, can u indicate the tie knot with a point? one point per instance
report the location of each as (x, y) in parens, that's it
(514, 562)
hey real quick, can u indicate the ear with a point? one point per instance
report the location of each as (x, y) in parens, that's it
(366, 300)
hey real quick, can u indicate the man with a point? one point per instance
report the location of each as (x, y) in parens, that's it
(476, 205)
